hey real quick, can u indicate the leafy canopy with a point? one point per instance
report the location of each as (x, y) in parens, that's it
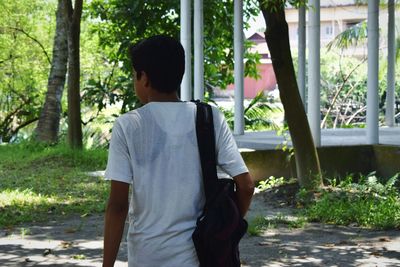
(120, 23)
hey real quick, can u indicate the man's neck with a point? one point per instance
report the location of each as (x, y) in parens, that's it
(156, 96)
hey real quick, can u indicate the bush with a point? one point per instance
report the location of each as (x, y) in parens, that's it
(368, 203)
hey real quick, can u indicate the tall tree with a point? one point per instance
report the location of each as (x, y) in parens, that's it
(74, 14)
(277, 38)
(49, 121)
(24, 64)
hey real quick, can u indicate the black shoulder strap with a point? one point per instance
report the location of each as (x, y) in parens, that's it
(206, 143)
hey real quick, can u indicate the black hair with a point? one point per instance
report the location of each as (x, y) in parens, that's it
(162, 58)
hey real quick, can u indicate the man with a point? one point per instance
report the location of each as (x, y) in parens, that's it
(154, 149)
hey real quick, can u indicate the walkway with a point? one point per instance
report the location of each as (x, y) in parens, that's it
(329, 137)
(78, 241)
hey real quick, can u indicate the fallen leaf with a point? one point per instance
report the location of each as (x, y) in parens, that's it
(376, 254)
(46, 252)
(79, 257)
(71, 230)
(346, 242)
(66, 244)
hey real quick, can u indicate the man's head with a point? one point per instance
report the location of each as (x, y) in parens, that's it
(162, 60)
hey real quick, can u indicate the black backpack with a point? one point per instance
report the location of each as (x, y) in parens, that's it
(220, 227)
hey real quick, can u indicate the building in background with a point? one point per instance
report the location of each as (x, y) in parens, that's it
(336, 16)
(267, 80)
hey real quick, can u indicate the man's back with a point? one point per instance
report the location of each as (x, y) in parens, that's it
(167, 187)
(164, 169)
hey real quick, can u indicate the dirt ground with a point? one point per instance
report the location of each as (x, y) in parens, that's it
(78, 242)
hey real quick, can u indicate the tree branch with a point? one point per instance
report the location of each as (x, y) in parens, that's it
(345, 79)
(33, 39)
(24, 124)
(8, 117)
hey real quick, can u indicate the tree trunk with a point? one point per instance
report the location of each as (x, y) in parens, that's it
(74, 108)
(49, 121)
(277, 38)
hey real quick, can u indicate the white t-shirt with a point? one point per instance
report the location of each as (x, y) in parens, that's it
(154, 148)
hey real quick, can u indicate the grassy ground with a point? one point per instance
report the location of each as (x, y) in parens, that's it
(367, 202)
(37, 183)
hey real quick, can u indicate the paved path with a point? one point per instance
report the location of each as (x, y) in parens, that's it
(78, 242)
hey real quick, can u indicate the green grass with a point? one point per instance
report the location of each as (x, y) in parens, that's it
(364, 201)
(260, 223)
(270, 183)
(367, 203)
(38, 182)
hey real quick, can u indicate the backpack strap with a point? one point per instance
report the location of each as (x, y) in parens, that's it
(206, 143)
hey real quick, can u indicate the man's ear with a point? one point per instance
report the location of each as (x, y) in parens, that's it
(145, 78)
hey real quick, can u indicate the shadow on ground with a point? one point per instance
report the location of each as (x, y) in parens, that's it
(322, 245)
(78, 242)
(316, 244)
(73, 242)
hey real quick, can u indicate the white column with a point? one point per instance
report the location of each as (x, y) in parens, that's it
(372, 81)
(198, 51)
(186, 86)
(239, 80)
(301, 79)
(314, 76)
(389, 115)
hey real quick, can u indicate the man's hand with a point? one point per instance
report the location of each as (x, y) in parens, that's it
(117, 209)
(244, 191)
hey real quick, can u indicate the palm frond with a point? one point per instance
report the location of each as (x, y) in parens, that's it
(259, 97)
(257, 114)
(350, 36)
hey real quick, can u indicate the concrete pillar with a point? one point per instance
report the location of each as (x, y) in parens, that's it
(198, 50)
(239, 73)
(301, 76)
(186, 85)
(314, 76)
(390, 112)
(373, 65)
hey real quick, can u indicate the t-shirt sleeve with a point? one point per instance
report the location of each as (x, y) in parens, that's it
(119, 166)
(228, 155)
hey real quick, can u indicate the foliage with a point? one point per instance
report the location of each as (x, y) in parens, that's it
(270, 182)
(344, 90)
(257, 225)
(274, 5)
(352, 36)
(367, 203)
(257, 114)
(285, 146)
(260, 223)
(25, 44)
(39, 182)
(120, 23)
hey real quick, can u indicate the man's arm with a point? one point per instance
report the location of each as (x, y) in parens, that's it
(244, 191)
(117, 209)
